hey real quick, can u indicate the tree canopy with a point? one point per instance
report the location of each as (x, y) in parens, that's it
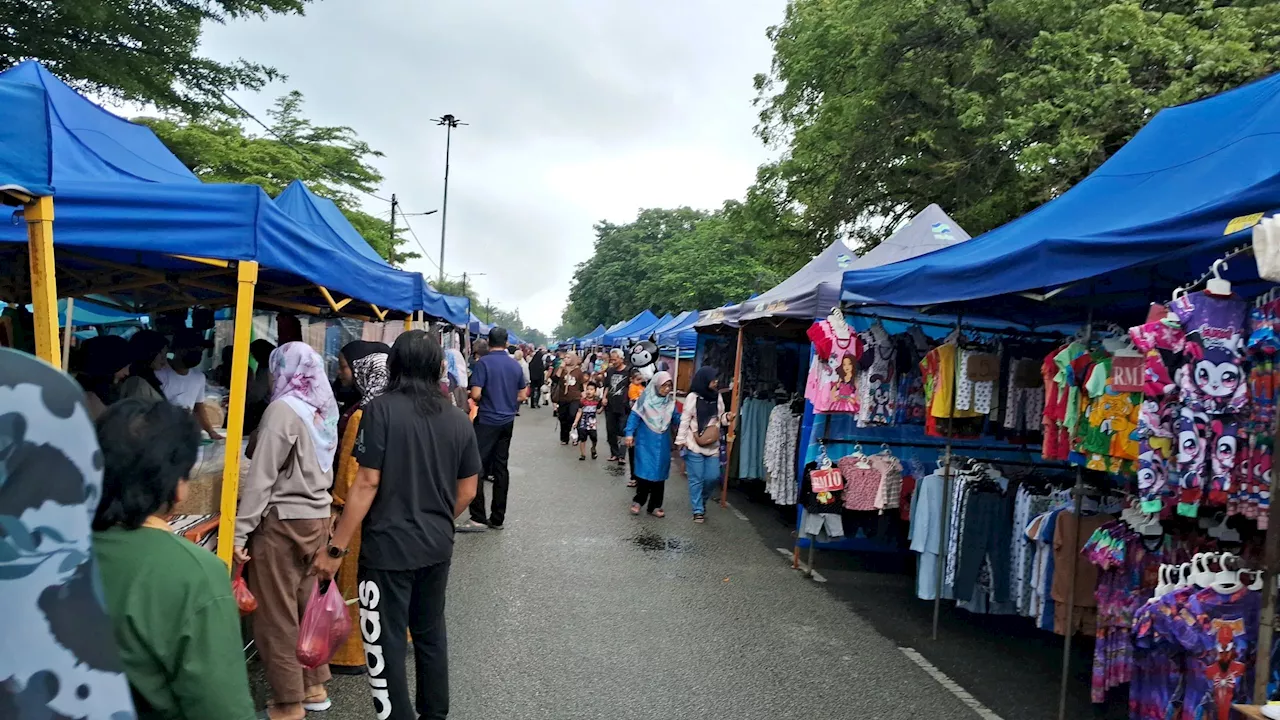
(671, 261)
(146, 52)
(987, 107)
(493, 314)
(332, 161)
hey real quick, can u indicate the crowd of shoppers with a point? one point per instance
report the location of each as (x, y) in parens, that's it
(357, 481)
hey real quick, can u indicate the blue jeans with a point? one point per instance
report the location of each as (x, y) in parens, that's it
(704, 475)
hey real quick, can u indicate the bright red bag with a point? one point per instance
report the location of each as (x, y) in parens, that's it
(325, 626)
(244, 599)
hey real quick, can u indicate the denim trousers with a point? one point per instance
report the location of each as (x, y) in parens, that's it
(704, 475)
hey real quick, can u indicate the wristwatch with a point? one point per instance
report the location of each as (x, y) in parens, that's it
(337, 552)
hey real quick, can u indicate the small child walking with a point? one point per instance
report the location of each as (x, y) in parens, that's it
(588, 411)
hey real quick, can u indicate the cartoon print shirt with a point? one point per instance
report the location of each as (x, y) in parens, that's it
(832, 384)
(1213, 380)
(1219, 634)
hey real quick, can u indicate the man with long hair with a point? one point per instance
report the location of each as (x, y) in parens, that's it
(418, 472)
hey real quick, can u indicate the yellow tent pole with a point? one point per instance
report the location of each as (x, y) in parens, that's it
(247, 273)
(44, 288)
(408, 323)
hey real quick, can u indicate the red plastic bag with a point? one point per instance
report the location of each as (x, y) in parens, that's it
(244, 599)
(325, 626)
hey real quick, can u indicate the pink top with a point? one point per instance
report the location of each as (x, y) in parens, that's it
(861, 484)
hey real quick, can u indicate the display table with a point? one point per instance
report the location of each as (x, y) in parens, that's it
(204, 486)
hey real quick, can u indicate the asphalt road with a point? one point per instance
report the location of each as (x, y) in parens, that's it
(579, 610)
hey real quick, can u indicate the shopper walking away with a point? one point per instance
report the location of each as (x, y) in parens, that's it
(369, 377)
(283, 520)
(698, 439)
(537, 376)
(585, 421)
(498, 387)
(572, 380)
(647, 432)
(418, 472)
(616, 404)
(524, 368)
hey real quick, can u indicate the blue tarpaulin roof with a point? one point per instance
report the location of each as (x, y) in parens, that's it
(638, 324)
(26, 131)
(594, 336)
(679, 332)
(477, 326)
(323, 218)
(120, 192)
(87, 312)
(1189, 184)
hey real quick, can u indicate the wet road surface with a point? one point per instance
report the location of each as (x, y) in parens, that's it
(579, 610)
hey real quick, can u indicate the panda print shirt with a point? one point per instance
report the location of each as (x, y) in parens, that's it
(1212, 379)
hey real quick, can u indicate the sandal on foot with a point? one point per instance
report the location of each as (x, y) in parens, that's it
(582, 458)
(699, 518)
(658, 513)
(593, 455)
(317, 705)
(631, 483)
(635, 508)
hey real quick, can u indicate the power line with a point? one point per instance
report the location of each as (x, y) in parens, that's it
(425, 254)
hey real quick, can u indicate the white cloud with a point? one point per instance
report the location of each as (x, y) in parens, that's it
(579, 110)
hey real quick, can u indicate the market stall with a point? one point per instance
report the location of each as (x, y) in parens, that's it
(1161, 406)
(138, 232)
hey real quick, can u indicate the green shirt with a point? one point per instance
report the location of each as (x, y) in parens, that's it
(177, 625)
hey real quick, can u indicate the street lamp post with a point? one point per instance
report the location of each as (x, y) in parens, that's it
(449, 122)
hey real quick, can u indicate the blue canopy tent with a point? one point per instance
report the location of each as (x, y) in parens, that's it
(1188, 185)
(644, 333)
(322, 217)
(126, 203)
(679, 332)
(594, 337)
(641, 322)
(137, 230)
(24, 166)
(478, 327)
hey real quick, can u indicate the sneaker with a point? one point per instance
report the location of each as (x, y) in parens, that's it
(496, 526)
(471, 526)
(582, 458)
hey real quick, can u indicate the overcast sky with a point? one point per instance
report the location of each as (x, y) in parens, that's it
(579, 111)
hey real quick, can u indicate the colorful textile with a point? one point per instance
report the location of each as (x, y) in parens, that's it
(655, 409)
(300, 381)
(1213, 381)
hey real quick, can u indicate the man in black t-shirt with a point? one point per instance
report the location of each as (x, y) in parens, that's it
(418, 472)
(616, 407)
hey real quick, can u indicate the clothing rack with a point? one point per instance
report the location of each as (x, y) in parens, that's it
(1212, 272)
(1005, 332)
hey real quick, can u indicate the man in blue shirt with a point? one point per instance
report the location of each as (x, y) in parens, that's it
(498, 387)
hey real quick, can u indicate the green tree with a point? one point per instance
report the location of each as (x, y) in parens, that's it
(146, 52)
(669, 261)
(492, 314)
(332, 161)
(987, 107)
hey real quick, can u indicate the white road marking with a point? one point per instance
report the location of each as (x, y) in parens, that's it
(815, 575)
(983, 711)
(737, 512)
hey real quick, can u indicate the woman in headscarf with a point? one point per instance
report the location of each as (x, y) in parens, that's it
(283, 521)
(524, 368)
(647, 432)
(106, 365)
(701, 425)
(361, 364)
(60, 657)
(368, 364)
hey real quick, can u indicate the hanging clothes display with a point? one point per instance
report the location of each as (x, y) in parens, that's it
(833, 374)
(780, 448)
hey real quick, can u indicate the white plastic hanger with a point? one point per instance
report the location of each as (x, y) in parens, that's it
(1217, 285)
(838, 325)
(1256, 585)
(1226, 581)
(1201, 576)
